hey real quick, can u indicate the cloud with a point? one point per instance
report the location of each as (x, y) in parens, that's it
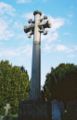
(15, 52)
(10, 30)
(10, 27)
(56, 23)
(47, 48)
(28, 16)
(7, 12)
(50, 37)
(68, 49)
(61, 48)
(58, 48)
(72, 49)
(5, 32)
(6, 9)
(23, 1)
(53, 35)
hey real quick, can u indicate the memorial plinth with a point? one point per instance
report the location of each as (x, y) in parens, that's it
(35, 110)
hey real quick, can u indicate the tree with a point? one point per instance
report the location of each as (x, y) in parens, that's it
(14, 86)
(61, 83)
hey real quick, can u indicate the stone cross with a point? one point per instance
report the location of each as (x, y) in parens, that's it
(7, 108)
(35, 28)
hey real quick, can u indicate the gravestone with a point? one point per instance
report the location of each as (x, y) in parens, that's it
(7, 108)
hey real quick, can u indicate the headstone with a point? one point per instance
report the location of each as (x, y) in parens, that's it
(7, 108)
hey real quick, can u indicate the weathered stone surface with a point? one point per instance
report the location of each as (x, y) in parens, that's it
(35, 110)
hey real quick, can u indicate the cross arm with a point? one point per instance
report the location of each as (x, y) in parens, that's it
(29, 28)
(45, 24)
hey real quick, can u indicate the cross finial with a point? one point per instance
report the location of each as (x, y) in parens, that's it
(42, 25)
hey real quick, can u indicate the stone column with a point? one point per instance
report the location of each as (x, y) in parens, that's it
(36, 60)
(35, 28)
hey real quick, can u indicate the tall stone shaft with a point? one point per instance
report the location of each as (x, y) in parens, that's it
(35, 28)
(36, 60)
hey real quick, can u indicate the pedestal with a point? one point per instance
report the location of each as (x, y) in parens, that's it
(35, 110)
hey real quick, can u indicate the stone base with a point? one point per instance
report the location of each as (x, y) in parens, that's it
(35, 110)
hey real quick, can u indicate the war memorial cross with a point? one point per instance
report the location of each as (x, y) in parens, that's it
(35, 28)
